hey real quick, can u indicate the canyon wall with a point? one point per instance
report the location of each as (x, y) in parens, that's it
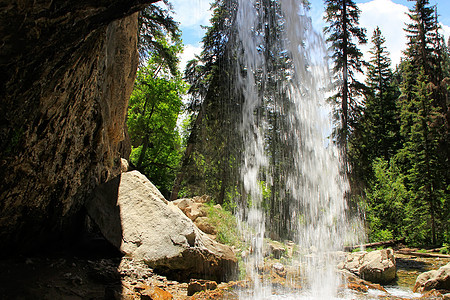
(67, 69)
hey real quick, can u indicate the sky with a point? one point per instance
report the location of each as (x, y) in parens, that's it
(389, 15)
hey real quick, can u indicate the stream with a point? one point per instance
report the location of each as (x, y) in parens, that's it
(408, 268)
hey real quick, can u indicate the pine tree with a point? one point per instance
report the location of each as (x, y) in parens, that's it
(421, 34)
(343, 17)
(381, 110)
(377, 133)
(421, 149)
(210, 163)
(424, 125)
(156, 34)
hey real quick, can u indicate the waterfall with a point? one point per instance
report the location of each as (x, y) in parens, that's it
(283, 77)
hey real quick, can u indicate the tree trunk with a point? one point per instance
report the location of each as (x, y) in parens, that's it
(344, 103)
(420, 254)
(187, 155)
(142, 154)
(376, 244)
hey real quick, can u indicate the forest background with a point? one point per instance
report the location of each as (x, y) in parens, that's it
(390, 115)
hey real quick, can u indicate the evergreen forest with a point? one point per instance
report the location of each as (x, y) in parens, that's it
(392, 126)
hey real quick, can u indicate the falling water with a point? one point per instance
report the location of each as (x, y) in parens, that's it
(314, 183)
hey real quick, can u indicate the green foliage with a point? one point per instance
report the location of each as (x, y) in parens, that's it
(156, 99)
(210, 162)
(385, 202)
(377, 133)
(425, 175)
(421, 34)
(154, 106)
(226, 224)
(227, 231)
(399, 149)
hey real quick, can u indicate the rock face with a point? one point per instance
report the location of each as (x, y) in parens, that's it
(376, 266)
(435, 279)
(134, 216)
(66, 72)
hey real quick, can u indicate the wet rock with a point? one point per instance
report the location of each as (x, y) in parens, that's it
(194, 287)
(274, 248)
(155, 293)
(114, 292)
(197, 285)
(357, 284)
(157, 232)
(434, 280)
(134, 270)
(357, 287)
(279, 269)
(433, 295)
(376, 266)
(104, 271)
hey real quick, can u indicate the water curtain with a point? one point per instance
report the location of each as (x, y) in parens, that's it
(283, 78)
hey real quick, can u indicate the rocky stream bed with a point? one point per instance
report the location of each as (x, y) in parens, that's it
(88, 276)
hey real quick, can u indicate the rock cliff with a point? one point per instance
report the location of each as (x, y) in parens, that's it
(66, 72)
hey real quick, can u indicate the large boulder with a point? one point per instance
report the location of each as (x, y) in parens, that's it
(434, 279)
(134, 216)
(376, 266)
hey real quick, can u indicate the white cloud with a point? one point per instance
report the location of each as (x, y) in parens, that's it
(192, 13)
(189, 53)
(391, 19)
(445, 31)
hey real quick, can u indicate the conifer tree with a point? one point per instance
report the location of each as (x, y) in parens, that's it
(427, 187)
(343, 33)
(421, 34)
(380, 109)
(156, 35)
(212, 152)
(424, 126)
(377, 133)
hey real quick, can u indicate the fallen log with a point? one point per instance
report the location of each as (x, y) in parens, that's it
(376, 244)
(422, 254)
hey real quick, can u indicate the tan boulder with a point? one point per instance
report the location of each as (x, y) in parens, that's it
(197, 285)
(434, 279)
(203, 224)
(376, 266)
(183, 204)
(133, 215)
